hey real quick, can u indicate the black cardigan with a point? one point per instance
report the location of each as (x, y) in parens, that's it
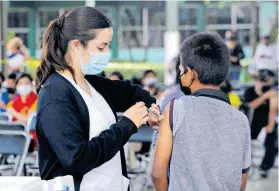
(63, 126)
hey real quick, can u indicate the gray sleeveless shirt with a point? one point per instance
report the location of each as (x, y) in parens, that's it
(211, 145)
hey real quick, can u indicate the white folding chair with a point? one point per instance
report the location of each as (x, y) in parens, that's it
(4, 116)
(14, 141)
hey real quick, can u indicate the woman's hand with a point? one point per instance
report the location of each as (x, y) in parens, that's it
(154, 120)
(138, 114)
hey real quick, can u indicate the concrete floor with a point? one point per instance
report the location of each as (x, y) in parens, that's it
(255, 182)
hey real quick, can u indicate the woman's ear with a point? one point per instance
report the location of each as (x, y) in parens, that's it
(74, 45)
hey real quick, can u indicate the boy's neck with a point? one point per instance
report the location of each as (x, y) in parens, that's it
(196, 87)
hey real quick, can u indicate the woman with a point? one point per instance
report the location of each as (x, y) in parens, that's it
(77, 129)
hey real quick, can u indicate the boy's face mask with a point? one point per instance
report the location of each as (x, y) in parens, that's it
(185, 89)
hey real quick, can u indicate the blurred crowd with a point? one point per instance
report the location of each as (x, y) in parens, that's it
(18, 97)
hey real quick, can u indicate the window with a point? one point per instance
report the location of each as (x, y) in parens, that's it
(18, 19)
(188, 16)
(18, 24)
(221, 32)
(106, 11)
(130, 38)
(243, 37)
(185, 34)
(156, 16)
(156, 37)
(243, 15)
(46, 16)
(130, 16)
(219, 15)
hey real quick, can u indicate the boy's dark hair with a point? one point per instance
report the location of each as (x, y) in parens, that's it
(12, 76)
(208, 55)
(147, 72)
(118, 74)
(24, 75)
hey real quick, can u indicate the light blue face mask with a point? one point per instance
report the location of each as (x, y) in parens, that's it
(97, 63)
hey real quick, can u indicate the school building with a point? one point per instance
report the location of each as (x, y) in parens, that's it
(139, 26)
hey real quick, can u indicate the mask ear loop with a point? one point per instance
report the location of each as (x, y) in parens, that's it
(192, 81)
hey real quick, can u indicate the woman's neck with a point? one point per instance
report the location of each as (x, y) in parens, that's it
(78, 76)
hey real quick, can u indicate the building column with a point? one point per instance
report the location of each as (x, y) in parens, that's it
(3, 32)
(201, 20)
(32, 32)
(114, 43)
(171, 38)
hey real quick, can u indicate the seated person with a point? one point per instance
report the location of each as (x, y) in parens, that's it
(4, 96)
(24, 104)
(116, 76)
(149, 81)
(207, 140)
(25, 101)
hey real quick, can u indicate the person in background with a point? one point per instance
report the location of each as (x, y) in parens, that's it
(135, 80)
(8, 86)
(116, 76)
(17, 54)
(195, 132)
(4, 96)
(266, 55)
(258, 99)
(25, 101)
(149, 81)
(167, 96)
(102, 74)
(271, 141)
(226, 87)
(236, 54)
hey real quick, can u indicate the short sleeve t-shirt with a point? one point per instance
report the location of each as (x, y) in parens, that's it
(260, 116)
(24, 107)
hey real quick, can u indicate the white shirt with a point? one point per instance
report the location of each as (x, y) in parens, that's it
(15, 61)
(108, 176)
(271, 52)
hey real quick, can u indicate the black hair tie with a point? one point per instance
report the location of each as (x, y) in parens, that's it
(60, 21)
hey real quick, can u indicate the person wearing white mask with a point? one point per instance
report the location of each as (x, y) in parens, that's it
(78, 131)
(25, 102)
(149, 81)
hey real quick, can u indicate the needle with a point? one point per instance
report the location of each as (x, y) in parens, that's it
(160, 117)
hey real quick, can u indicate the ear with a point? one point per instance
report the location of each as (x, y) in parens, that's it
(75, 46)
(191, 73)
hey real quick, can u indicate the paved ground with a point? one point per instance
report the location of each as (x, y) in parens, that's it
(255, 183)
